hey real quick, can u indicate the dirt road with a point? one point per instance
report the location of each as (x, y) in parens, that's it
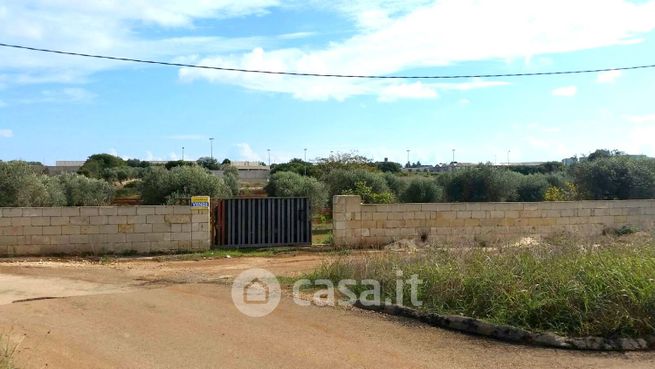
(146, 314)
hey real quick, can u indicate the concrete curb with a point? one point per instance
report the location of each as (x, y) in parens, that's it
(513, 334)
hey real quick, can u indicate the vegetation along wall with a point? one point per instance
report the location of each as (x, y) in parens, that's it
(103, 229)
(355, 223)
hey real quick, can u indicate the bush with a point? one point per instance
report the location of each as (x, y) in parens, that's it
(422, 189)
(482, 183)
(615, 177)
(96, 165)
(161, 186)
(289, 184)
(297, 166)
(368, 195)
(342, 182)
(532, 188)
(396, 184)
(22, 185)
(82, 191)
(231, 178)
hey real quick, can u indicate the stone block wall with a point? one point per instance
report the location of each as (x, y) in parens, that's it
(355, 223)
(103, 229)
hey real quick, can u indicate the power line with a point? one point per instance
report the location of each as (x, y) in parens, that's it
(300, 74)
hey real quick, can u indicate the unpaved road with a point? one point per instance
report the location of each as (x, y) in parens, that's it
(179, 314)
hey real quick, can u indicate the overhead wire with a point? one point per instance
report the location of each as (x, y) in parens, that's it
(329, 75)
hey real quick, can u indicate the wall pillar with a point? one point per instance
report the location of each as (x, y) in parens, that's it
(347, 220)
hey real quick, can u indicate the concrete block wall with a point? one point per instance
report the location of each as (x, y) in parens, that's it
(103, 229)
(355, 223)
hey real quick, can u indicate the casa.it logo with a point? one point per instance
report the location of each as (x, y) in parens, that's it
(256, 292)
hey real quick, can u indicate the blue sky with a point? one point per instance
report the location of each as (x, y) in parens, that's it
(66, 108)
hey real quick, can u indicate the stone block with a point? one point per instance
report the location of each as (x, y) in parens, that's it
(51, 212)
(108, 228)
(142, 228)
(183, 210)
(79, 220)
(70, 229)
(496, 214)
(5, 222)
(98, 220)
(511, 214)
(118, 219)
(88, 211)
(32, 212)
(11, 212)
(126, 228)
(60, 220)
(137, 219)
(181, 237)
(161, 227)
(163, 210)
(70, 212)
(154, 237)
(126, 210)
(22, 221)
(154, 219)
(32, 230)
(40, 221)
(60, 240)
(77, 239)
(177, 219)
(89, 229)
(107, 210)
(135, 237)
(145, 210)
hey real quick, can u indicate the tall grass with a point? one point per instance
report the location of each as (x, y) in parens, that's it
(569, 288)
(7, 351)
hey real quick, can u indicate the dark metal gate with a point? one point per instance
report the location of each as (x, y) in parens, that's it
(262, 222)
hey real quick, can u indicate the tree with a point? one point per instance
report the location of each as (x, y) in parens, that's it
(481, 183)
(343, 161)
(95, 165)
(388, 166)
(162, 186)
(422, 189)
(136, 163)
(297, 166)
(231, 178)
(178, 163)
(290, 184)
(208, 163)
(615, 177)
(83, 191)
(342, 181)
(604, 154)
(532, 188)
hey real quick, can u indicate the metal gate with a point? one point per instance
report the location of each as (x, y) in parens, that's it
(261, 222)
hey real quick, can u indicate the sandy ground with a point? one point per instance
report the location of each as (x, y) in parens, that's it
(179, 314)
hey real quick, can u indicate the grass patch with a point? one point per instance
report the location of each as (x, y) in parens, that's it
(7, 351)
(570, 288)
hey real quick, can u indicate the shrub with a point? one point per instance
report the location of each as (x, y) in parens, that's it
(396, 184)
(482, 183)
(79, 190)
(96, 165)
(368, 195)
(567, 192)
(289, 184)
(532, 188)
(297, 166)
(21, 185)
(422, 189)
(231, 178)
(615, 177)
(342, 182)
(161, 186)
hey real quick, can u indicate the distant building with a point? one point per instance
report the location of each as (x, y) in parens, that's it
(65, 166)
(250, 172)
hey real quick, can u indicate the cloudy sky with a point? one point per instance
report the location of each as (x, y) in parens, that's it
(55, 107)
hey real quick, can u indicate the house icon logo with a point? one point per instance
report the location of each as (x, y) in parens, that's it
(256, 292)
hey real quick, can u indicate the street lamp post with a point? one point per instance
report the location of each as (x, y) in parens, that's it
(182, 153)
(408, 164)
(305, 163)
(508, 151)
(269, 157)
(453, 156)
(211, 148)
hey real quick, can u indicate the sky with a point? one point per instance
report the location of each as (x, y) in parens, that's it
(56, 107)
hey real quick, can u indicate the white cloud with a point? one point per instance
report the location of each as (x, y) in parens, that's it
(6, 133)
(246, 152)
(64, 95)
(648, 118)
(608, 77)
(2, 104)
(173, 156)
(567, 91)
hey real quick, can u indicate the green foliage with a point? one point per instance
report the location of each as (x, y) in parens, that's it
(566, 192)
(389, 166)
(83, 191)
(136, 163)
(545, 168)
(290, 184)
(569, 288)
(343, 161)
(21, 186)
(297, 166)
(178, 163)
(396, 184)
(368, 195)
(121, 174)
(481, 183)
(532, 188)
(208, 163)
(96, 165)
(615, 177)
(231, 178)
(162, 186)
(342, 181)
(604, 154)
(422, 189)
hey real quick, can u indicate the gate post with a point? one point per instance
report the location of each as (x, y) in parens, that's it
(347, 220)
(200, 223)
